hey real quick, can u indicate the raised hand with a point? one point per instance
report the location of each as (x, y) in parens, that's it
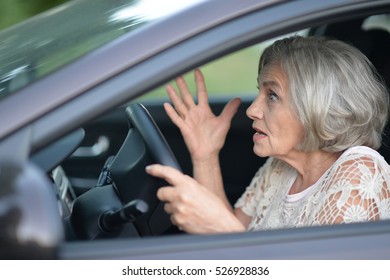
(204, 133)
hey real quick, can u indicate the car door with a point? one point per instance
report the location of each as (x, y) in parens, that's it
(331, 242)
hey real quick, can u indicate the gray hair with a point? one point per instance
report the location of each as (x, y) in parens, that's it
(335, 91)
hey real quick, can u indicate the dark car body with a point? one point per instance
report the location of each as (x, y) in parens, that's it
(50, 90)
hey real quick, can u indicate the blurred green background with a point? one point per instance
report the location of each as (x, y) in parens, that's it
(14, 11)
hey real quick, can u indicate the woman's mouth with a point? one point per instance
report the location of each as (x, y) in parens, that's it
(259, 135)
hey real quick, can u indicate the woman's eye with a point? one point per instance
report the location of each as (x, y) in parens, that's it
(272, 96)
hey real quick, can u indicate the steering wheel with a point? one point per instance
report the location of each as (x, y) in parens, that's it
(130, 200)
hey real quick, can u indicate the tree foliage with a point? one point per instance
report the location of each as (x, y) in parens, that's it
(14, 11)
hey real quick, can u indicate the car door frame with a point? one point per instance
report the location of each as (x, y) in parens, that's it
(330, 242)
(242, 31)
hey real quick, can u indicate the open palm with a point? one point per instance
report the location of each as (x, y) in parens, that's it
(204, 133)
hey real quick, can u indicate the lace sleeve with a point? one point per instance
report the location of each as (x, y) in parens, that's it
(358, 191)
(250, 198)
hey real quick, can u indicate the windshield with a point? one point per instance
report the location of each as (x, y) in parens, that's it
(45, 43)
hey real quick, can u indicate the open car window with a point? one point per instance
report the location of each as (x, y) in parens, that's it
(235, 74)
(229, 76)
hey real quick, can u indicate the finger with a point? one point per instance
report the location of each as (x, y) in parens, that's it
(180, 107)
(173, 115)
(185, 93)
(201, 89)
(168, 173)
(230, 110)
(166, 194)
(173, 220)
(168, 208)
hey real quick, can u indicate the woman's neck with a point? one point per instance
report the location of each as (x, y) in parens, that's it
(310, 166)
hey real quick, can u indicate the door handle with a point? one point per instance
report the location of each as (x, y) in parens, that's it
(97, 149)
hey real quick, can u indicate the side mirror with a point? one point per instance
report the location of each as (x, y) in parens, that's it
(30, 222)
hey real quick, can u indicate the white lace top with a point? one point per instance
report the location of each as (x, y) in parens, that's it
(355, 188)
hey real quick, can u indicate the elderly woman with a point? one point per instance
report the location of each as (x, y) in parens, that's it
(319, 117)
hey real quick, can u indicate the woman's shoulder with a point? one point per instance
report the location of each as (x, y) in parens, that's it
(362, 154)
(361, 160)
(357, 189)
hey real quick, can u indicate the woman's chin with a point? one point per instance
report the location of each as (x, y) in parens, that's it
(260, 152)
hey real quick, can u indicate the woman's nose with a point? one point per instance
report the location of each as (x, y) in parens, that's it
(255, 110)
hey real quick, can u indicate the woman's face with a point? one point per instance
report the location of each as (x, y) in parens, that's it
(278, 129)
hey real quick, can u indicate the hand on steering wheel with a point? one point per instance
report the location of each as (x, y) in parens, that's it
(191, 206)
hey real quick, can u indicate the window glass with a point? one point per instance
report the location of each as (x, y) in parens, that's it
(230, 76)
(49, 41)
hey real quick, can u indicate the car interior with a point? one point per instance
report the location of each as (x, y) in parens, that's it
(101, 153)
